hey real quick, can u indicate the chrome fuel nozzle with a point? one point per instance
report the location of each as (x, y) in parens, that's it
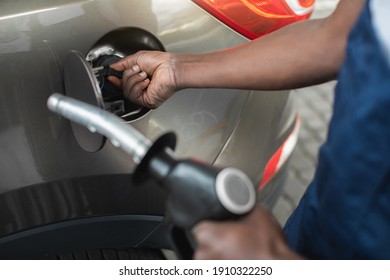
(100, 121)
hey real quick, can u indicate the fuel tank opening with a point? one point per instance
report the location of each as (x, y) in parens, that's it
(110, 48)
(113, 98)
(85, 79)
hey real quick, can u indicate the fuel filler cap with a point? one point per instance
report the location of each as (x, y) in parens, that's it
(81, 84)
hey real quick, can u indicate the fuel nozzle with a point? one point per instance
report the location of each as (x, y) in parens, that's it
(196, 191)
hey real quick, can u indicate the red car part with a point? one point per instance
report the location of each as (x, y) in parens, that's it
(255, 18)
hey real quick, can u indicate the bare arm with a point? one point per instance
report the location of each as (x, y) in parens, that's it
(302, 54)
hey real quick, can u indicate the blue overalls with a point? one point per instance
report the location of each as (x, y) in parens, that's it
(345, 212)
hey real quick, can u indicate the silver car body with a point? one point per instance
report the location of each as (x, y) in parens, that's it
(49, 184)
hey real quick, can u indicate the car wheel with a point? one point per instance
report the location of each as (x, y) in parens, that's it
(113, 254)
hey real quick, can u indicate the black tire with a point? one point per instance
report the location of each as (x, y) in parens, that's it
(114, 254)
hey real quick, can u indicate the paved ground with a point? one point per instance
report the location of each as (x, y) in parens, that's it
(315, 106)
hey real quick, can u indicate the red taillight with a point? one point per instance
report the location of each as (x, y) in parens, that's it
(254, 18)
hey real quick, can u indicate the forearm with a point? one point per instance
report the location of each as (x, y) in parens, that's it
(299, 55)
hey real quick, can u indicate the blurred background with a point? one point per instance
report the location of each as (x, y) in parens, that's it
(314, 105)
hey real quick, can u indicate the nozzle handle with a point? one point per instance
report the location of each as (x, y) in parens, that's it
(198, 191)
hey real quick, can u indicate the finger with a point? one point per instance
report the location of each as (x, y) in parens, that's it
(118, 82)
(130, 80)
(124, 63)
(206, 236)
(138, 93)
(133, 76)
(129, 74)
(204, 254)
(205, 233)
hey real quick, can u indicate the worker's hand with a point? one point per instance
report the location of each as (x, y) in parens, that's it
(256, 236)
(148, 78)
